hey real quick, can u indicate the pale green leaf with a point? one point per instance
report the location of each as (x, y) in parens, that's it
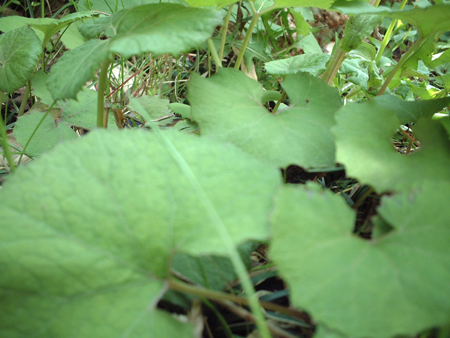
(314, 64)
(303, 3)
(161, 28)
(19, 52)
(181, 109)
(155, 107)
(86, 228)
(358, 74)
(228, 107)
(429, 20)
(395, 284)
(46, 137)
(112, 6)
(76, 67)
(79, 113)
(363, 140)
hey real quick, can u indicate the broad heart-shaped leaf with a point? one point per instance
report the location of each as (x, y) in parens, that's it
(396, 284)
(76, 67)
(19, 53)
(363, 144)
(429, 20)
(86, 228)
(228, 107)
(161, 28)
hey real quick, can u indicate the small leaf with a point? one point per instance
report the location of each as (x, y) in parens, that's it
(395, 284)
(155, 107)
(228, 107)
(46, 137)
(314, 64)
(363, 140)
(19, 52)
(76, 67)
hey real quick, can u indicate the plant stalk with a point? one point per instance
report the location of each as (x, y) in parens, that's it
(387, 36)
(247, 39)
(224, 31)
(175, 285)
(23, 104)
(214, 54)
(4, 137)
(333, 66)
(102, 79)
(400, 64)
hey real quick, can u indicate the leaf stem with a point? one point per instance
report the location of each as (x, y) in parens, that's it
(233, 253)
(224, 31)
(255, 19)
(400, 64)
(4, 137)
(175, 285)
(333, 66)
(214, 54)
(102, 79)
(387, 36)
(23, 104)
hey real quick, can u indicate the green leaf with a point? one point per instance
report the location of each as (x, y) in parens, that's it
(228, 107)
(325, 4)
(429, 20)
(395, 284)
(19, 52)
(357, 29)
(181, 109)
(156, 107)
(112, 6)
(161, 28)
(102, 216)
(363, 140)
(314, 64)
(157, 28)
(46, 137)
(76, 67)
(360, 77)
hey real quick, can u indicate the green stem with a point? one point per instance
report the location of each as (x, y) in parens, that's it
(4, 137)
(233, 253)
(224, 31)
(102, 79)
(333, 66)
(221, 296)
(400, 64)
(214, 54)
(387, 36)
(247, 39)
(23, 104)
(35, 130)
(283, 97)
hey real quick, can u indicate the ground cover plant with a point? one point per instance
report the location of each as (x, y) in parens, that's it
(272, 178)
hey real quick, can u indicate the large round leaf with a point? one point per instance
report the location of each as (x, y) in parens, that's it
(88, 230)
(228, 106)
(395, 284)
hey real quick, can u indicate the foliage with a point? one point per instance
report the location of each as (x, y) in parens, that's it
(106, 234)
